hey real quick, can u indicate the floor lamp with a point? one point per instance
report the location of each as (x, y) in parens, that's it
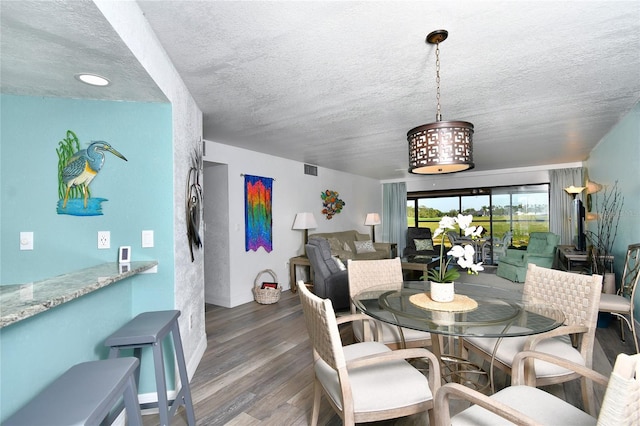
(372, 220)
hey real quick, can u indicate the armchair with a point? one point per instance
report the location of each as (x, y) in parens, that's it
(424, 246)
(541, 251)
(329, 280)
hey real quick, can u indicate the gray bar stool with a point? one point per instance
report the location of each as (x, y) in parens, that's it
(84, 395)
(149, 330)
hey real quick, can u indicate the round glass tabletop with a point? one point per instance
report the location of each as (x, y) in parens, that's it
(499, 313)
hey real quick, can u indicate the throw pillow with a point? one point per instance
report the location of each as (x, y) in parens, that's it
(421, 245)
(346, 247)
(339, 263)
(364, 246)
(334, 243)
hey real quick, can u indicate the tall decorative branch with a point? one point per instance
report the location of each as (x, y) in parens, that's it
(607, 228)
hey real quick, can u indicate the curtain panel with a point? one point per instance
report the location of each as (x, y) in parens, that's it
(560, 201)
(394, 213)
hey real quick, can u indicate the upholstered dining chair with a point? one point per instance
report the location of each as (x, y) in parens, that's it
(578, 297)
(621, 303)
(364, 381)
(526, 405)
(387, 274)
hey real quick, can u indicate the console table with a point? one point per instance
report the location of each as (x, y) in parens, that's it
(570, 258)
(21, 301)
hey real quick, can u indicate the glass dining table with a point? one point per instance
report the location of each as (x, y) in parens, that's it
(477, 310)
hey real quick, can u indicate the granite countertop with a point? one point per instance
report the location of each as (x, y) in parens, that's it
(21, 301)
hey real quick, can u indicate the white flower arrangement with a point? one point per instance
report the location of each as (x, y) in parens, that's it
(465, 255)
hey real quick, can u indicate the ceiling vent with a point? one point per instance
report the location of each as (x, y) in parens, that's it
(310, 170)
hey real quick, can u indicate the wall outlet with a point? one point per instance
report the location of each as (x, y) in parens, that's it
(104, 240)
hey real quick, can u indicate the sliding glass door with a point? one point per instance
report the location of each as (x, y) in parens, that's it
(516, 209)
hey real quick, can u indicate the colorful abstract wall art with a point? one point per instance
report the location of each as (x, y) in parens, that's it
(257, 213)
(331, 204)
(76, 169)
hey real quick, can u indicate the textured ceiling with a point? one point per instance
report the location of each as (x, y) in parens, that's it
(339, 84)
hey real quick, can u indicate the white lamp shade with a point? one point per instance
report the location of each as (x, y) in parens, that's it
(574, 190)
(304, 221)
(372, 219)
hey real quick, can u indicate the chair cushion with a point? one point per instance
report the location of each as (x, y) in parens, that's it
(533, 402)
(378, 387)
(390, 333)
(364, 246)
(510, 346)
(614, 303)
(423, 244)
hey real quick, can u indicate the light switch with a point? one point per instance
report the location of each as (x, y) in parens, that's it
(147, 239)
(26, 241)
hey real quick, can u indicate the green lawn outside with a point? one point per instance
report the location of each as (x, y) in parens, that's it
(523, 225)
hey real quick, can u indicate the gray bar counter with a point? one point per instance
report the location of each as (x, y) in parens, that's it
(21, 301)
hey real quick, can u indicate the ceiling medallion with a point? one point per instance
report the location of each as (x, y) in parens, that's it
(443, 146)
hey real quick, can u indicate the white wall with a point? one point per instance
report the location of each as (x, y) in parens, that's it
(475, 179)
(129, 22)
(293, 192)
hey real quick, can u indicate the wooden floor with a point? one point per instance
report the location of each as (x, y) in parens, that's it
(257, 368)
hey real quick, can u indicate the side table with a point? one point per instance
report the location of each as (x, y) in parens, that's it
(293, 262)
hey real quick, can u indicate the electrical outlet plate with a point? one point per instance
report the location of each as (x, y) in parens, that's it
(104, 240)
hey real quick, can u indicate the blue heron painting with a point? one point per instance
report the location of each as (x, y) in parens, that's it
(76, 171)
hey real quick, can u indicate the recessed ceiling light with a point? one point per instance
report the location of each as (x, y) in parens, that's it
(92, 79)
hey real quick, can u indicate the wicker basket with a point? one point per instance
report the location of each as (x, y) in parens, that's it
(266, 296)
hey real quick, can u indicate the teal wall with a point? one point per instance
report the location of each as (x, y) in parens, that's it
(35, 351)
(617, 158)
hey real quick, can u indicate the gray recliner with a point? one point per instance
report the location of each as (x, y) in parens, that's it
(329, 281)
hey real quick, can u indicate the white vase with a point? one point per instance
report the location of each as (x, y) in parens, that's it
(442, 292)
(443, 317)
(609, 283)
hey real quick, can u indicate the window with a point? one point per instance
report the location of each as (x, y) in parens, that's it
(519, 209)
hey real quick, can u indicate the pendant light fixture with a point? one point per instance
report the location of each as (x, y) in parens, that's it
(443, 146)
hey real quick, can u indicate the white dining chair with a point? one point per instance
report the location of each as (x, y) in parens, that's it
(621, 304)
(577, 296)
(524, 404)
(364, 381)
(382, 274)
(498, 245)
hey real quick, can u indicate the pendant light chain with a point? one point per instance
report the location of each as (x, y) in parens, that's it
(438, 115)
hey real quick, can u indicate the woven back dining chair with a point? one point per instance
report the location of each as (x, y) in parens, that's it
(364, 381)
(621, 303)
(523, 404)
(382, 274)
(577, 296)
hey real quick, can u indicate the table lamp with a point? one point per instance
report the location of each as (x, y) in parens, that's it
(372, 220)
(305, 221)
